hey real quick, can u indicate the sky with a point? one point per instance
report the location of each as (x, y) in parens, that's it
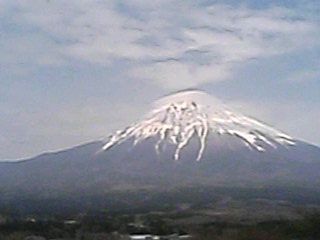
(75, 71)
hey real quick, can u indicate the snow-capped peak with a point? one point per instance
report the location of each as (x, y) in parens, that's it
(178, 117)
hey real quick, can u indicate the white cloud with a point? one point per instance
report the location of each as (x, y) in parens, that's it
(304, 76)
(177, 75)
(151, 36)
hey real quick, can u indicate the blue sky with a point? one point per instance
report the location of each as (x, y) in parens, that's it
(75, 71)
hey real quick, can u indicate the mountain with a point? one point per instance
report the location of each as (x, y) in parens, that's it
(177, 118)
(188, 139)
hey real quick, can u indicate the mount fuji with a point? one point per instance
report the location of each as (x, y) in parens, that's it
(177, 118)
(188, 139)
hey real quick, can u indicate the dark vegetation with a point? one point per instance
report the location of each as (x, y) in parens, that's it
(144, 201)
(203, 213)
(93, 227)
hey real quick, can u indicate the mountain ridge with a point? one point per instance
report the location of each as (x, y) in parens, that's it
(226, 159)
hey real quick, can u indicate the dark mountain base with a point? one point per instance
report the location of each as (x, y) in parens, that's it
(201, 213)
(150, 200)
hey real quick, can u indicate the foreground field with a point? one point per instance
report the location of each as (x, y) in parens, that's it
(189, 213)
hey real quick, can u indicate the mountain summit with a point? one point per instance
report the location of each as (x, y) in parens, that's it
(179, 117)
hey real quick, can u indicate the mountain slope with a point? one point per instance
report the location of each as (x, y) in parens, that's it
(188, 139)
(179, 117)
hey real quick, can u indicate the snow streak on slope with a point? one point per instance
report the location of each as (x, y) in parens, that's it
(179, 117)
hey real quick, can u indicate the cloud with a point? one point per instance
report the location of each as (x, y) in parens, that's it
(304, 76)
(174, 44)
(177, 75)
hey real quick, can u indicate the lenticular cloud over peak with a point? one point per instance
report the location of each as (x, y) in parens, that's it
(188, 95)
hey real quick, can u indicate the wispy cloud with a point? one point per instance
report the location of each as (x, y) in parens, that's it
(304, 76)
(175, 44)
